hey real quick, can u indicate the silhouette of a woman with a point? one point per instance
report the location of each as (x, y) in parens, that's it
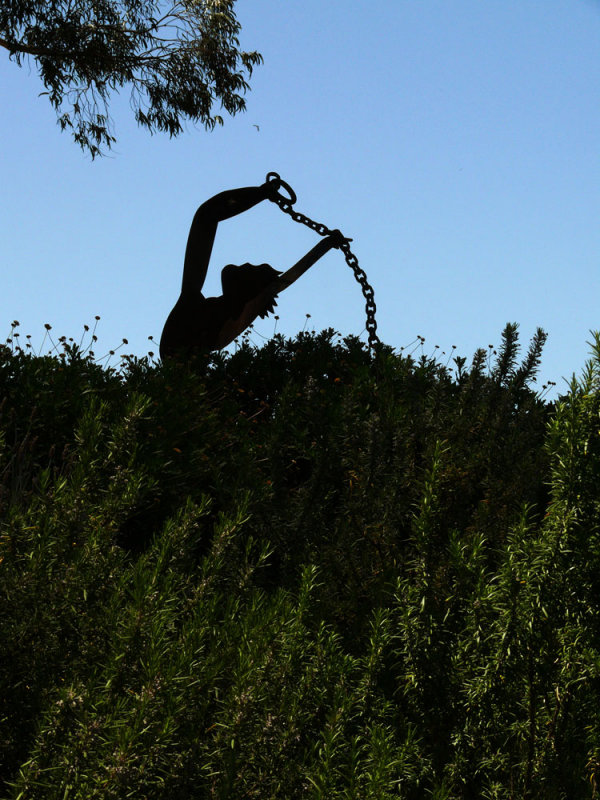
(197, 323)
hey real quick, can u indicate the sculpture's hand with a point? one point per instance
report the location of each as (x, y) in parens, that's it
(337, 238)
(273, 184)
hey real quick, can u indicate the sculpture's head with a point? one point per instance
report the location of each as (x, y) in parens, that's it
(245, 282)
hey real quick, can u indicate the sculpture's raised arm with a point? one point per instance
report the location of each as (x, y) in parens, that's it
(204, 227)
(235, 201)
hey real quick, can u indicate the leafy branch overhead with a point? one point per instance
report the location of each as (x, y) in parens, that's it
(179, 59)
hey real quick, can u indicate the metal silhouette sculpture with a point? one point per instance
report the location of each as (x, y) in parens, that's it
(197, 323)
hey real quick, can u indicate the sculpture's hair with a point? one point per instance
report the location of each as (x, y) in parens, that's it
(242, 283)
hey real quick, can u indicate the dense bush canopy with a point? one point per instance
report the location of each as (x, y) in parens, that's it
(298, 572)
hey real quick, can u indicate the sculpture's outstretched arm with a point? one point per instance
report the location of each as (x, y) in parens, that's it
(204, 227)
(306, 262)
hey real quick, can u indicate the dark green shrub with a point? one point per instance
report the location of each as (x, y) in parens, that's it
(298, 572)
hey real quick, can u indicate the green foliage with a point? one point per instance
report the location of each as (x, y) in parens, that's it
(178, 58)
(298, 572)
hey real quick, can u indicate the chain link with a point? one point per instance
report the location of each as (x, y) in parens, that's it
(351, 260)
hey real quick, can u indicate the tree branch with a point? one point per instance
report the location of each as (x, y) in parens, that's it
(25, 49)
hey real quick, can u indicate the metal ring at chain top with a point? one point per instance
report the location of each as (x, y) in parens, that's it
(361, 276)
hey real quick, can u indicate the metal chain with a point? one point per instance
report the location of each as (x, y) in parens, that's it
(351, 260)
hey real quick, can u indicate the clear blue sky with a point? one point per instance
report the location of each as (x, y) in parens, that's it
(458, 143)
